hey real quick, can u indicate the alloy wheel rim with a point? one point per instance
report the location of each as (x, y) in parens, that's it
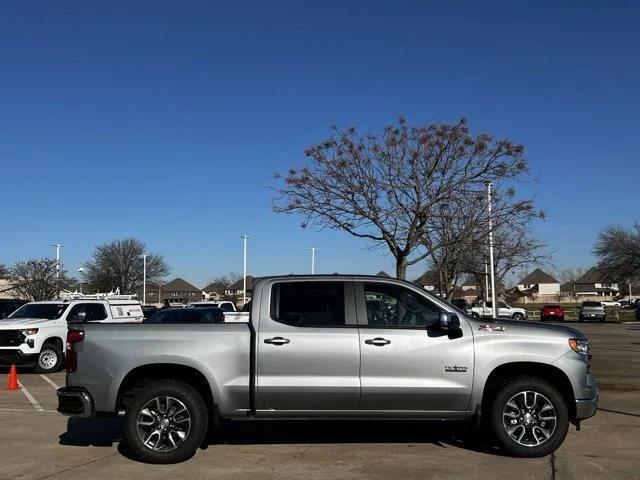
(529, 418)
(48, 359)
(163, 423)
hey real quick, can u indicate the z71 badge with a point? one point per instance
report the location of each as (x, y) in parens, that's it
(455, 368)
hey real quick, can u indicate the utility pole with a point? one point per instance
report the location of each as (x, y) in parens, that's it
(494, 307)
(80, 272)
(486, 280)
(313, 259)
(244, 269)
(144, 278)
(58, 247)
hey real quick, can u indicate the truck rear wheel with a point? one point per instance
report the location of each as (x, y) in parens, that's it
(165, 422)
(529, 417)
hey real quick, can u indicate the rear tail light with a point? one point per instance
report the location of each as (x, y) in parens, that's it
(71, 356)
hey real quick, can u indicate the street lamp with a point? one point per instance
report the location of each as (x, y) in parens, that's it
(80, 272)
(493, 272)
(144, 278)
(58, 247)
(244, 269)
(313, 259)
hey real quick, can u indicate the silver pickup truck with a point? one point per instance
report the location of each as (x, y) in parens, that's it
(332, 346)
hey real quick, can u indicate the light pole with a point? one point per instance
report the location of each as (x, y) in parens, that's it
(144, 278)
(486, 281)
(244, 268)
(58, 247)
(313, 259)
(80, 272)
(494, 307)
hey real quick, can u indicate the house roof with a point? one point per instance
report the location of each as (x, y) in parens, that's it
(536, 277)
(593, 275)
(430, 277)
(239, 284)
(218, 287)
(382, 273)
(179, 285)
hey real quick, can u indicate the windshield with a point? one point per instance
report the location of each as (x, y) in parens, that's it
(47, 311)
(591, 304)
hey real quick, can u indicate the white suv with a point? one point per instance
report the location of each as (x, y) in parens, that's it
(36, 333)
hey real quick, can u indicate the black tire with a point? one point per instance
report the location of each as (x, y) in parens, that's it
(475, 315)
(581, 320)
(518, 316)
(50, 358)
(602, 320)
(191, 401)
(511, 389)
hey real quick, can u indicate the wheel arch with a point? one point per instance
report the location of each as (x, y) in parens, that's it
(145, 374)
(59, 342)
(544, 371)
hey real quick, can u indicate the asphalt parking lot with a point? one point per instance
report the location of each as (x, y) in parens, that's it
(40, 443)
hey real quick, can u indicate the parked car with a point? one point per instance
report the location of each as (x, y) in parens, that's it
(10, 305)
(552, 313)
(591, 310)
(225, 305)
(149, 310)
(34, 335)
(610, 303)
(462, 304)
(187, 315)
(327, 346)
(482, 309)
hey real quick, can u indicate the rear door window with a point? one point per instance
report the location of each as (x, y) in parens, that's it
(308, 304)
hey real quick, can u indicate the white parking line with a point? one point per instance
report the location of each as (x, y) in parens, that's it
(4, 409)
(50, 382)
(32, 400)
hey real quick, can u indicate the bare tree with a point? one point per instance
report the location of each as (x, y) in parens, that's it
(456, 239)
(119, 264)
(570, 274)
(222, 282)
(385, 188)
(39, 279)
(4, 271)
(619, 252)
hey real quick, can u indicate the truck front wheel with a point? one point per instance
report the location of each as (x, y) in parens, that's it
(529, 417)
(49, 359)
(166, 421)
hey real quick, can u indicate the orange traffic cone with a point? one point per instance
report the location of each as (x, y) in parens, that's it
(12, 384)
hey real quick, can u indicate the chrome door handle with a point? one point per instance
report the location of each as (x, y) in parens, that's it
(378, 341)
(276, 341)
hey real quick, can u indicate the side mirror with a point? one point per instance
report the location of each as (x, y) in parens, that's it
(449, 321)
(450, 324)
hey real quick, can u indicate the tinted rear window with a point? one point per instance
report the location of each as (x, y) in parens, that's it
(552, 306)
(591, 304)
(308, 304)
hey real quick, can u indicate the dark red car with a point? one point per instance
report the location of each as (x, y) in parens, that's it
(552, 313)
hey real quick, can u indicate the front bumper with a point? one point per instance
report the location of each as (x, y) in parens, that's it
(587, 408)
(12, 356)
(75, 401)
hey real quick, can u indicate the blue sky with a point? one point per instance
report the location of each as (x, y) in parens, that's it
(166, 120)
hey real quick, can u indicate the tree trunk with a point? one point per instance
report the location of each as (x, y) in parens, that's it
(401, 268)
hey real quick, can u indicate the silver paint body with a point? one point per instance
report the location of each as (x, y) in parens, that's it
(332, 372)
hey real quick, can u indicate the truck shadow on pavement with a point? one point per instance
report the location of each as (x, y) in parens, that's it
(105, 432)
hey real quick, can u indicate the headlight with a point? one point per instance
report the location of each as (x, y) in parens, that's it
(580, 346)
(31, 331)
